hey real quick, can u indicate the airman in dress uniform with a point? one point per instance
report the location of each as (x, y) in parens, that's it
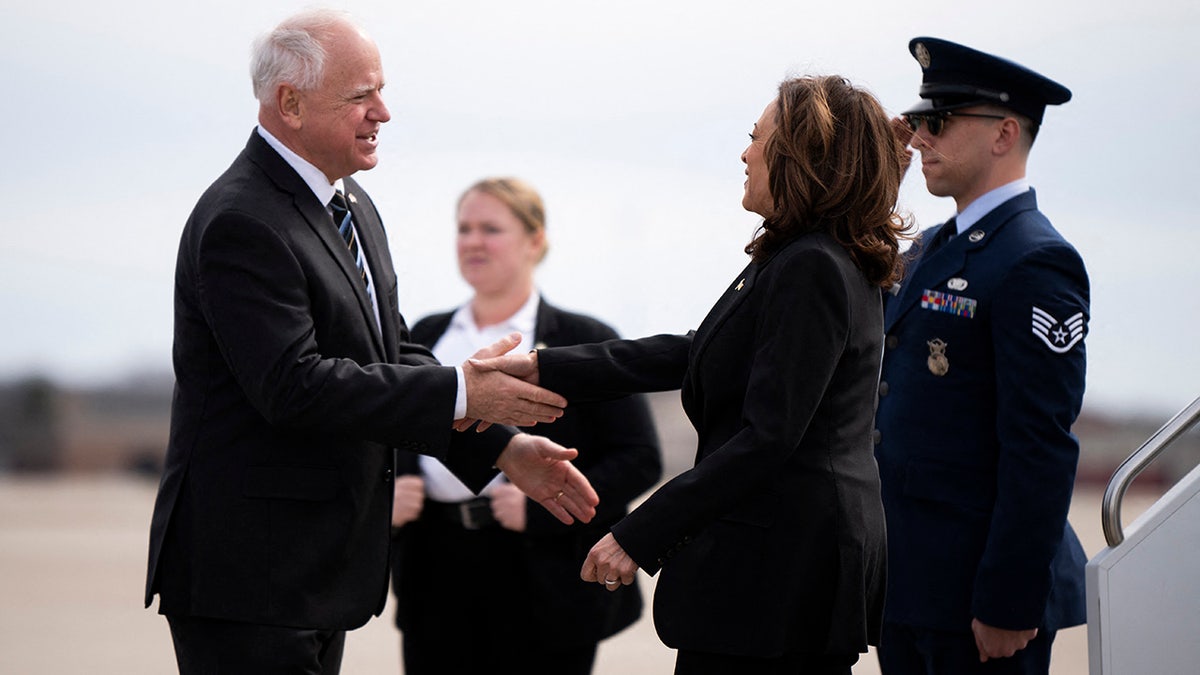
(983, 376)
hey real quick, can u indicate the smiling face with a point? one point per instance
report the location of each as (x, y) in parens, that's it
(337, 124)
(757, 197)
(496, 252)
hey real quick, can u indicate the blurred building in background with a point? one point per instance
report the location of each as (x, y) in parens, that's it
(45, 427)
(123, 427)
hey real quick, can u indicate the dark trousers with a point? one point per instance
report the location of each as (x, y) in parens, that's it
(908, 650)
(702, 663)
(440, 656)
(471, 612)
(214, 647)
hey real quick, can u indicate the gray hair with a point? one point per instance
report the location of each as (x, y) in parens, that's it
(292, 52)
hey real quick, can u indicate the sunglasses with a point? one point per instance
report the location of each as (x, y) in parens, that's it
(936, 121)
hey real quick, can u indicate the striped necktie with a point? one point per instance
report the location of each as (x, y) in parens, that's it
(345, 226)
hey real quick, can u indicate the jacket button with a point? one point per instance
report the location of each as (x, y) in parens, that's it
(387, 475)
(877, 437)
(892, 341)
(883, 388)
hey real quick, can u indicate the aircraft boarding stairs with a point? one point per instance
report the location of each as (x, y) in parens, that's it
(1143, 590)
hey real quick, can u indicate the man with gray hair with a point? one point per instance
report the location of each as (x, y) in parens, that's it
(296, 380)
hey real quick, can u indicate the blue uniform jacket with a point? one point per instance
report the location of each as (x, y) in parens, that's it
(978, 462)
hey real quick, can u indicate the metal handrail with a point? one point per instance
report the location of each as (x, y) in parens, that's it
(1110, 510)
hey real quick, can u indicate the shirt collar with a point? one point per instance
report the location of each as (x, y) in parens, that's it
(984, 205)
(313, 177)
(523, 321)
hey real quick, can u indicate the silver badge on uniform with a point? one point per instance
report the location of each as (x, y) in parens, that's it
(976, 236)
(957, 284)
(938, 364)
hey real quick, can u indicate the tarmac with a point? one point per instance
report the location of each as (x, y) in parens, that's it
(72, 569)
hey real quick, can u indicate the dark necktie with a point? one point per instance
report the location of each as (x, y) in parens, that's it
(345, 226)
(944, 235)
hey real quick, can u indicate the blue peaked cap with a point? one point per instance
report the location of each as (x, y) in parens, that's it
(955, 76)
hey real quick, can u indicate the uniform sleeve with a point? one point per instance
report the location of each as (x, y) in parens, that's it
(1038, 331)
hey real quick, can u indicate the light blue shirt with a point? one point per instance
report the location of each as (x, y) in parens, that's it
(988, 201)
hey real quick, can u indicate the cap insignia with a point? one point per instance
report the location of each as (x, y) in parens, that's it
(922, 55)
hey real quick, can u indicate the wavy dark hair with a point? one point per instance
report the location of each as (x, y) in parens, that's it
(834, 164)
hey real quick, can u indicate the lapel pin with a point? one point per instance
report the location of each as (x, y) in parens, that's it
(353, 199)
(976, 236)
(740, 284)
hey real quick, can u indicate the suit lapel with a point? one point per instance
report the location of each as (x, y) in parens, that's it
(951, 258)
(927, 271)
(734, 296)
(319, 221)
(546, 327)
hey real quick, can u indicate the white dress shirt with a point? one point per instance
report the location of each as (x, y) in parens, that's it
(318, 182)
(460, 341)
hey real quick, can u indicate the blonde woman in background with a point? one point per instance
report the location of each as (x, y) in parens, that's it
(487, 583)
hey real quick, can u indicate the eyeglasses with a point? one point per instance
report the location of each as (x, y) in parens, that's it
(936, 121)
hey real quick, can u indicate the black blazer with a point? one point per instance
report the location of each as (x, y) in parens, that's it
(619, 454)
(275, 501)
(774, 541)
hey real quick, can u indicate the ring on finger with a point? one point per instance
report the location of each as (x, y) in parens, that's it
(559, 495)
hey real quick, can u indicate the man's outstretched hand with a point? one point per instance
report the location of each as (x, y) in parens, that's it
(542, 470)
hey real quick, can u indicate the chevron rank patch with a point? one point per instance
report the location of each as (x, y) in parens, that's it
(1059, 336)
(957, 305)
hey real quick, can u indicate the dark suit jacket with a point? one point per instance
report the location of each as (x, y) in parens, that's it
(774, 541)
(618, 452)
(978, 464)
(275, 502)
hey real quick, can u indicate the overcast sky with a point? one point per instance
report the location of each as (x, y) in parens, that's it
(628, 115)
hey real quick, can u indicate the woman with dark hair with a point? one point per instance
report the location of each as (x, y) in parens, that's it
(772, 546)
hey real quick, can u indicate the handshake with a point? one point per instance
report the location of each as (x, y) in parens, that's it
(502, 389)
